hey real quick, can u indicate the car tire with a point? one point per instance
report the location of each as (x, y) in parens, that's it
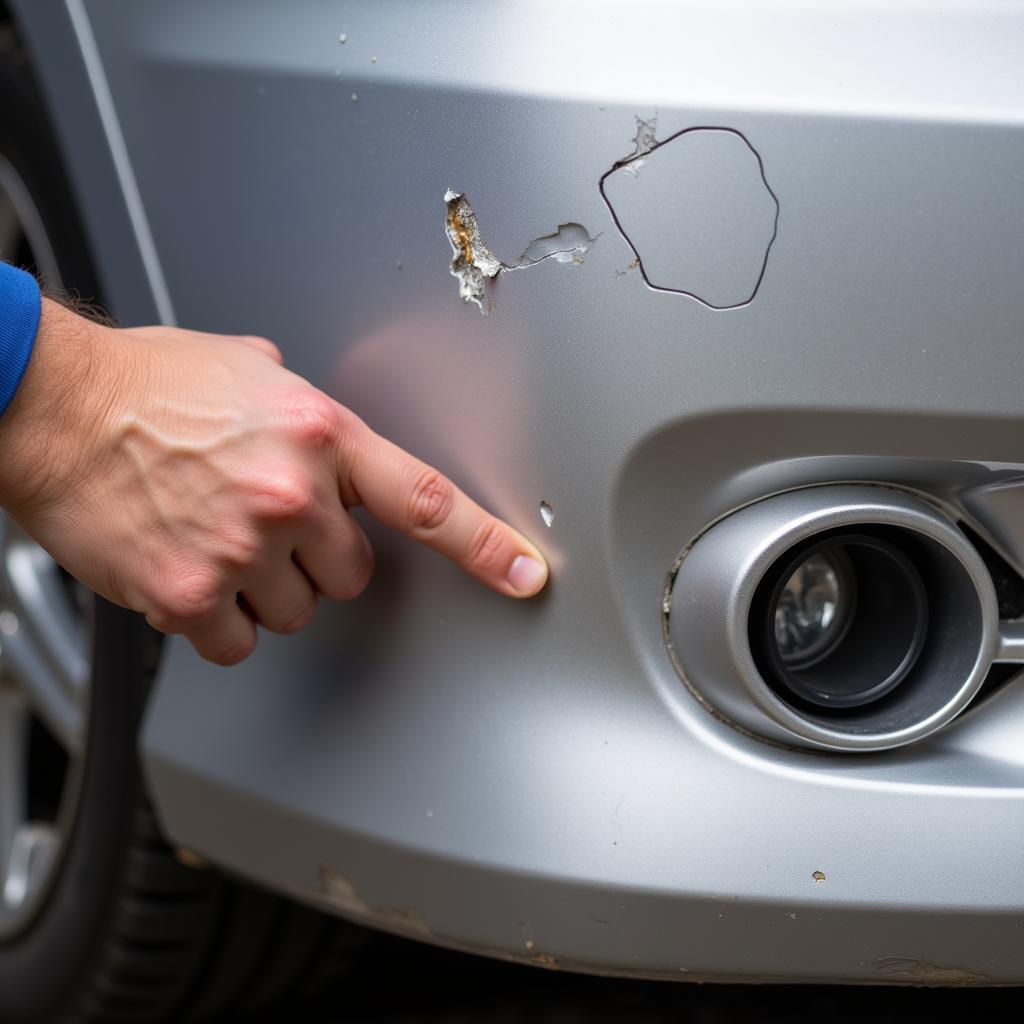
(125, 930)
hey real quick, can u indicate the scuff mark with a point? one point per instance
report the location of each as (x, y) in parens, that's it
(403, 919)
(337, 893)
(474, 264)
(632, 265)
(340, 893)
(920, 972)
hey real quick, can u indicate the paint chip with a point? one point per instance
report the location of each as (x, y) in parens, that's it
(474, 264)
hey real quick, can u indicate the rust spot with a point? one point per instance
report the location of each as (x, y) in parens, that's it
(461, 236)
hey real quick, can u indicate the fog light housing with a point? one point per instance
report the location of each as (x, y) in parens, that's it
(841, 617)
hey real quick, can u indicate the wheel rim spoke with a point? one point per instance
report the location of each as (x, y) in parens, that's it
(13, 754)
(32, 853)
(39, 644)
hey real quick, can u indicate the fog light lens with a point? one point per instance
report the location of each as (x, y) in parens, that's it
(839, 623)
(814, 608)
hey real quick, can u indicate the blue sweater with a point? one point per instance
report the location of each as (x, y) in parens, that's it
(20, 306)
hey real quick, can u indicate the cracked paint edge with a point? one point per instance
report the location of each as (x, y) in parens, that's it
(646, 144)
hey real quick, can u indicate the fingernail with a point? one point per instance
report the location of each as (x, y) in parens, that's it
(526, 575)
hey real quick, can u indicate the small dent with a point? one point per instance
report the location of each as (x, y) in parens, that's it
(818, 876)
(547, 513)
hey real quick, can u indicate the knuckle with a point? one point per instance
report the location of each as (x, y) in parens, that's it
(242, 550)
(485, 545)
(430, 504)
(311, 417)
(188, 600)
(288, 495)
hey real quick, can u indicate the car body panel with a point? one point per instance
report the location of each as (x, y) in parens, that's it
(533, 780)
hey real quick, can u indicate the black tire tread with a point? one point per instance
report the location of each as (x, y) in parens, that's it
(189, 944)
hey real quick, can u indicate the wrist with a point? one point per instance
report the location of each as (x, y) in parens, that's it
(54, 411)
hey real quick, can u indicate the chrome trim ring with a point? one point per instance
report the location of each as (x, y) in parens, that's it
(709, 615)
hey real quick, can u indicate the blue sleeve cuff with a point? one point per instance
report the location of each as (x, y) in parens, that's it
(20, 307)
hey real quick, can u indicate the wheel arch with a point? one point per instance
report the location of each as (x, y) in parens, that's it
(51, 38)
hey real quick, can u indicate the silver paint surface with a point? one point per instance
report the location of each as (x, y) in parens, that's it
(532, 780)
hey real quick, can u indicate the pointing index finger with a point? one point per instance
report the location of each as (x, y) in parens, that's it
(413, 498)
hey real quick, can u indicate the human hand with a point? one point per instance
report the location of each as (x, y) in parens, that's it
(192, 478)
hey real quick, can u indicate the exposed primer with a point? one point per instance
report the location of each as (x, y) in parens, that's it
(644, 142)
(474, 264)
(569, 244)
